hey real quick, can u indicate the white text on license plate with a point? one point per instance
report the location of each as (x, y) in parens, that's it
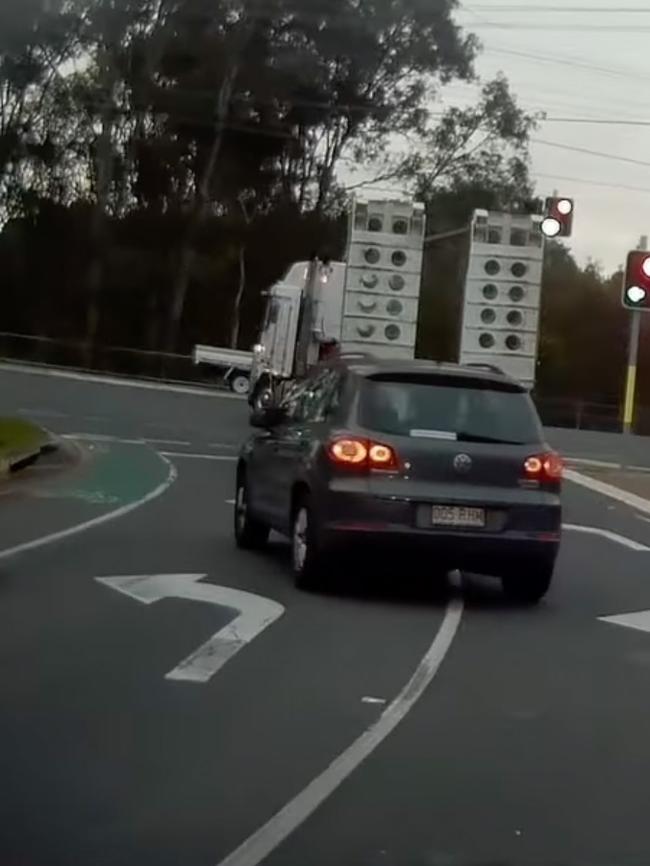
(457, 515)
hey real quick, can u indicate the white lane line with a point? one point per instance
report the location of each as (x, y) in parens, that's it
(179, 442)
(230, 501)
(123, 383)
(187, 456)
(605, 489)
(606, 464)
(641, 517)
(370, 700)
(101, 437)
(258, 846)
(606, 533)
(43, 413)
(226, 446)
(584, 461)
(172, 474)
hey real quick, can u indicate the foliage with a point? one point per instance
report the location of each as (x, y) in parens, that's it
(163, 161)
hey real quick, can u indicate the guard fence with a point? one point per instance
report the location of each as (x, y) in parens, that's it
(574, 413)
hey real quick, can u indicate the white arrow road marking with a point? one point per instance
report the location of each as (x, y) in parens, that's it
(639, 620)
(606, 533)
(255, 614)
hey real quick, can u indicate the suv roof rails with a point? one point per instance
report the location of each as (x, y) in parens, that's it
(357, 356)
(491, 367)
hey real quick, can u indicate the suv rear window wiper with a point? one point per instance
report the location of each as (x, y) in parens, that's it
(477, 437)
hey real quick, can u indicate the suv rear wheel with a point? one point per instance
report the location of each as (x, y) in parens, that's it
(307, 554)
(531, 584)
(250, 533)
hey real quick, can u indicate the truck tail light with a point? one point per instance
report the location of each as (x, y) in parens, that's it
(362, 454)
(544, 467)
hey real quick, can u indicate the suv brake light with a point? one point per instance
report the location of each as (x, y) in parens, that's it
(363, 454)
(544, 467)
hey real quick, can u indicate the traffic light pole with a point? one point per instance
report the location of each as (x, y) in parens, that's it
(632, 360)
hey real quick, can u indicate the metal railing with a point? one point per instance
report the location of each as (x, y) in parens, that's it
(573, 413)
(579, 414)
(113, 360)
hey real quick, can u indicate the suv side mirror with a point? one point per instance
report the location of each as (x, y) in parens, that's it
(270, 416)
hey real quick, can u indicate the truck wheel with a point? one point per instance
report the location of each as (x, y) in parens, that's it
(239, 384)
(262, 395)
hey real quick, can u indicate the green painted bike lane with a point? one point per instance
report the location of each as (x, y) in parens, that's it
(52, 497)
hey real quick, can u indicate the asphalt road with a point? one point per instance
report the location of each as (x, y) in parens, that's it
(527, 745)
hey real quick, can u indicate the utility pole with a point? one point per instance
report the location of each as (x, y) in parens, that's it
(632, 360)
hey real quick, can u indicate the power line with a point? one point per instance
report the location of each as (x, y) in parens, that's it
(590, 152)
(575, 63)
(595, 120)
(642, 10)
(580, 180)
(564, 28)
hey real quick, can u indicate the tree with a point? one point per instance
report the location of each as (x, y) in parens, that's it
(581, 316)
(313, 80)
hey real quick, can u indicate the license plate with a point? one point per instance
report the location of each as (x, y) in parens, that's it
(457, 515)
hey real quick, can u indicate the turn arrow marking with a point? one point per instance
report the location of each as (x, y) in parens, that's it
(639, 620)
(255, 614)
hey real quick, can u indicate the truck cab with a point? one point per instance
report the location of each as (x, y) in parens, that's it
(274, 355)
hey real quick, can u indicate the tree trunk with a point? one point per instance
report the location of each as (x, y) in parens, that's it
(236, 313)
(103, 172)
(198, 214)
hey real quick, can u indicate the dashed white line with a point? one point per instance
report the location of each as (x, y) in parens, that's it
(606, 533)
(588, 461)
(100, 437)
(43, 413)
(178, 442)
(187, 456)
(610, 490)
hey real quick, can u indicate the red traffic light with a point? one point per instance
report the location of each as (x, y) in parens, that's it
(558, 219)
(636, 282)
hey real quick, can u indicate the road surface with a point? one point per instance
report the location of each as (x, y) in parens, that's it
(498, 735)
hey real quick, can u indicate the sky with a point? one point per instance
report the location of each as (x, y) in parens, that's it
(577, 60)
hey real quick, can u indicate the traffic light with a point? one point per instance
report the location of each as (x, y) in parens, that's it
(636, 282)
(558, 218)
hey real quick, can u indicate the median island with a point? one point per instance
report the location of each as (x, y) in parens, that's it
(21, 442)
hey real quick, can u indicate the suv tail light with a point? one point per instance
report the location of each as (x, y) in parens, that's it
(362, 454)
(544, 467)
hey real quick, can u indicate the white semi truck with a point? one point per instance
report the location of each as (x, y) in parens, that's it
(366, 304)
(273, 358)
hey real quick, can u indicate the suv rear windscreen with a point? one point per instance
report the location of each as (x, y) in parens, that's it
(448, 407)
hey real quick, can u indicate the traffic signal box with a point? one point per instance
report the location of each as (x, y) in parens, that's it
(636, 281)
(558, 218)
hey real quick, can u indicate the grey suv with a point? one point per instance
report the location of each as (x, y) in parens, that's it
(405, 454)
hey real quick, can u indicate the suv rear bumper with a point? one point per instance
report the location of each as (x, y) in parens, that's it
(512, 532)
